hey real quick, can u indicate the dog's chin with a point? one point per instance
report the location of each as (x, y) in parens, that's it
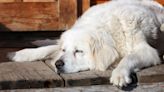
(59, 71)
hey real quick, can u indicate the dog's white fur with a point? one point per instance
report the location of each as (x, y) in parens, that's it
(114, 31)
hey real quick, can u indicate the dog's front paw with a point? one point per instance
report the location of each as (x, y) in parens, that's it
(120, 77)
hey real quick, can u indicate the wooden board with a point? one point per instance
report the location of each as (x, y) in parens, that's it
(28, 16)
(38, 75)
(86, 78)
(68, 13)
(28, 75)
(149, 75)
(154, 87)
(38, 16)
(82, 6)
(152, 74)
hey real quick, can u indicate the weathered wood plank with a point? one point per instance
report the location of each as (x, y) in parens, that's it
(151, 75)
(37, 75)
(86, 78)
(27, 75)
(23, 75)
(148, 75)
(155, 87)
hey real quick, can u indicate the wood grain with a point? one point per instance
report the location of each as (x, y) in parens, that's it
(28, 75)
(7, 1)
(29, 16)
(38, 75)
(85, 5)
(38, 0)
(160, 1)
(38, 16)
(86, 78)
(68, 13)
(151, 74)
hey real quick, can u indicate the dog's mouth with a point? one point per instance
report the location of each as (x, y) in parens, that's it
(60, 71)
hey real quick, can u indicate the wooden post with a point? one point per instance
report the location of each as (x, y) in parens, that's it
(83, 5)
(67, 13)
(86, 5)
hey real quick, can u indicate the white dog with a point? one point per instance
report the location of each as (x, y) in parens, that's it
(118, 30)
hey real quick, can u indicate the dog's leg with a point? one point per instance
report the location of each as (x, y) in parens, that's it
(143, 56)
(33, 54)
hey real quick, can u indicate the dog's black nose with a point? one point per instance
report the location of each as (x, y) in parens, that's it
(59, 64)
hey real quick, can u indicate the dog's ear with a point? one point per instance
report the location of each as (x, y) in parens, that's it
(103, 53)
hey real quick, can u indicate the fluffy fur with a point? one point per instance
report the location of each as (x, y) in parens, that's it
(119, 30)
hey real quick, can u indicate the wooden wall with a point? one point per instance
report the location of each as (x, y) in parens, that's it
(160, 1)
(102, 1)
(5, 1)
(37, 15)
(42, 15)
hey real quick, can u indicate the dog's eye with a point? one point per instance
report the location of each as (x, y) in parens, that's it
(78, 51)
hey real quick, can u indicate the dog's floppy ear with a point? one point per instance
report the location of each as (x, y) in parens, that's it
(103, 53)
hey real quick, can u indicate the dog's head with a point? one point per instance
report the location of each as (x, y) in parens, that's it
(80, 51)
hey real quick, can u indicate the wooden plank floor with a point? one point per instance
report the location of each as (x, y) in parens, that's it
(86, 78)
(26, 75)
(154, 87)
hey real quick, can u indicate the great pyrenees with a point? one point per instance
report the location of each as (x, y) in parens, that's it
(116, 31)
